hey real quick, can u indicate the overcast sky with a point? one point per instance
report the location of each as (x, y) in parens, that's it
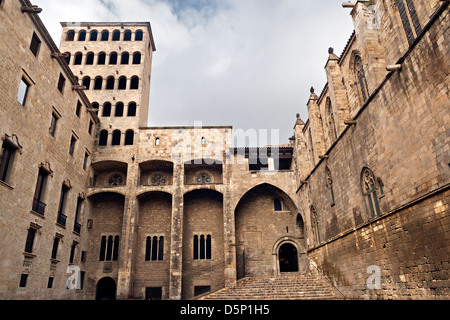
(245, 63)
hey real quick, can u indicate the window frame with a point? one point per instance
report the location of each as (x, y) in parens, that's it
(35, 44)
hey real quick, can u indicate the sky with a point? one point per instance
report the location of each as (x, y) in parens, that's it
(245, 63)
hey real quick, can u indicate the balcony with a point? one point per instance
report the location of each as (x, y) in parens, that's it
(62, 218)
(38, 206)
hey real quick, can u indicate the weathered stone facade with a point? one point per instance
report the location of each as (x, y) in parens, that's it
(174, 212)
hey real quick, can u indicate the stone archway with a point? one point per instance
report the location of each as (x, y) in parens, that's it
(106, 289)
(288, 258)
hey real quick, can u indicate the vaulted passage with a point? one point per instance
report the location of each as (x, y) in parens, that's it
(106, 289)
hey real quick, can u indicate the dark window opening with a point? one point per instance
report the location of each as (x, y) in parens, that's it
(53, 123)
(90, 58)
(87, 82)
(70, 35)
(134, 83)
(116, 138)
(129, 138)
(198, 290)
(8, 153)
(125, 58)
(82, 35)
(30, 240)
(127, 35)
(106, 109)
(105, 35)
(98, 83)
(78, 58)
(50, 282)
(73, 141)
(131, 109)
(122, 83)
(101, 58)
(78, 109)
(277, 205)
(55, 247)
(202, 247)
(110, 83)
(93, 35)
(116, 35)
(113, 58)
(61, 83)
(35, 44)
(23, 280)
(39, 193)
(153, 293)
(72, 252)
(67, 57)
(137, 58)
(103, 140)
(138, 35)
(119, 109)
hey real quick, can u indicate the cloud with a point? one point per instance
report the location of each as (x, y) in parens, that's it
(248, 63)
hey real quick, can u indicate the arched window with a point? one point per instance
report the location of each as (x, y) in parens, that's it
(134, 83)
(93, 35)
(127, 35)
(90, 58)
(119, 109)
(157, 142)
(315, 225)
(70, 36)
(359, 70)
(109, 248)
(154, 248)
(203, 141)
(98, 83)
(370, 192)
(103, 140)
(101, 58)
(299, 226)
(129, 138)
(202, 247)
(138, 35)
(106, 109)
(329, 184)
(67, 57)
(330, 117)
(113, 58)
(110, 83)
(96, 106)
(277, 205)
(137, 58)
(82, 35)
(105, 35)
(116, 35)
(87, 82)
(116, 136)
(122, 83)
(125, 58)
(131, 109)
(409, 17)
(78, 58)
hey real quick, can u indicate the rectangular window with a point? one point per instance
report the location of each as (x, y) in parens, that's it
(86, 160)
(91, 127)
(73, 141)
(72, 252)
(61, 83)
(7, 156)
(23, 280)
(62, 218)
(35, 44)
(109, 248)
(202, 247)
(198, 290)
(50, 283)
(30, 240)
(153, 293)
(53, 122)
(38, 204)
(23, 91)
(55, 247)
(78, 110)
(77, 225)
(83, 256)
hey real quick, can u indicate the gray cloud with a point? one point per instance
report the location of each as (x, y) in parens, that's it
(246, 63)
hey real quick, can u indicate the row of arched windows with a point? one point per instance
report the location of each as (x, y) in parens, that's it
(119, 109)
(116, 138)
(104, 35)
(125, 58)
(98, 83)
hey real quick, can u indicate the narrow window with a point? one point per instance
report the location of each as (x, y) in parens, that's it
(62, 218)
(23, 280)
(110, 83)
(203, 141)
(119, 109)
(129, 138)
(53, 123)
(61, 83)
(277, 205)
(106, 109)
(50, 283)
(93, 35)
(67, 57)
(134, 83)
(330, 185)
(73, 141)
(23, 91)
(315, 225)
(90, 59)
(208, 247)
(155, 248)
(35, 44)
(8, 153)
(370, 191)
(148, 247)
(116, 35)
(116, 138)
(102, 248)
(157, 142)
(195, 245)
(202, 247)
(70, 36)
(87, 82)
(109, 248)
(101, 58)
(78, 59)
(55, 247)
(127, 35)
(122, 83)
(39, 193)
(113, 58)
(78, 109)
(161, 249)
(138, 35)
(105, 35)
(198, 290)
(77, 225)
(98, 83)
(131, 109)
(116, 248)
(91, 127)
(72, 252)
(137, 58)
(103, 140)
(409, 17)
(125, 58)
(361, 78)
(85, 161)
(30, 240)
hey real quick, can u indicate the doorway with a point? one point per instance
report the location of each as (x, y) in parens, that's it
(106, 289)
(288, 258)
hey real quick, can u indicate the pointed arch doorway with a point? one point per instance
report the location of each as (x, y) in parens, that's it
(288, 258)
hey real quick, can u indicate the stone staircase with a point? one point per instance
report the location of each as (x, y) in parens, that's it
(309, 286)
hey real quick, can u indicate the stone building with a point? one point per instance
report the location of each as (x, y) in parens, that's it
(176, 212)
